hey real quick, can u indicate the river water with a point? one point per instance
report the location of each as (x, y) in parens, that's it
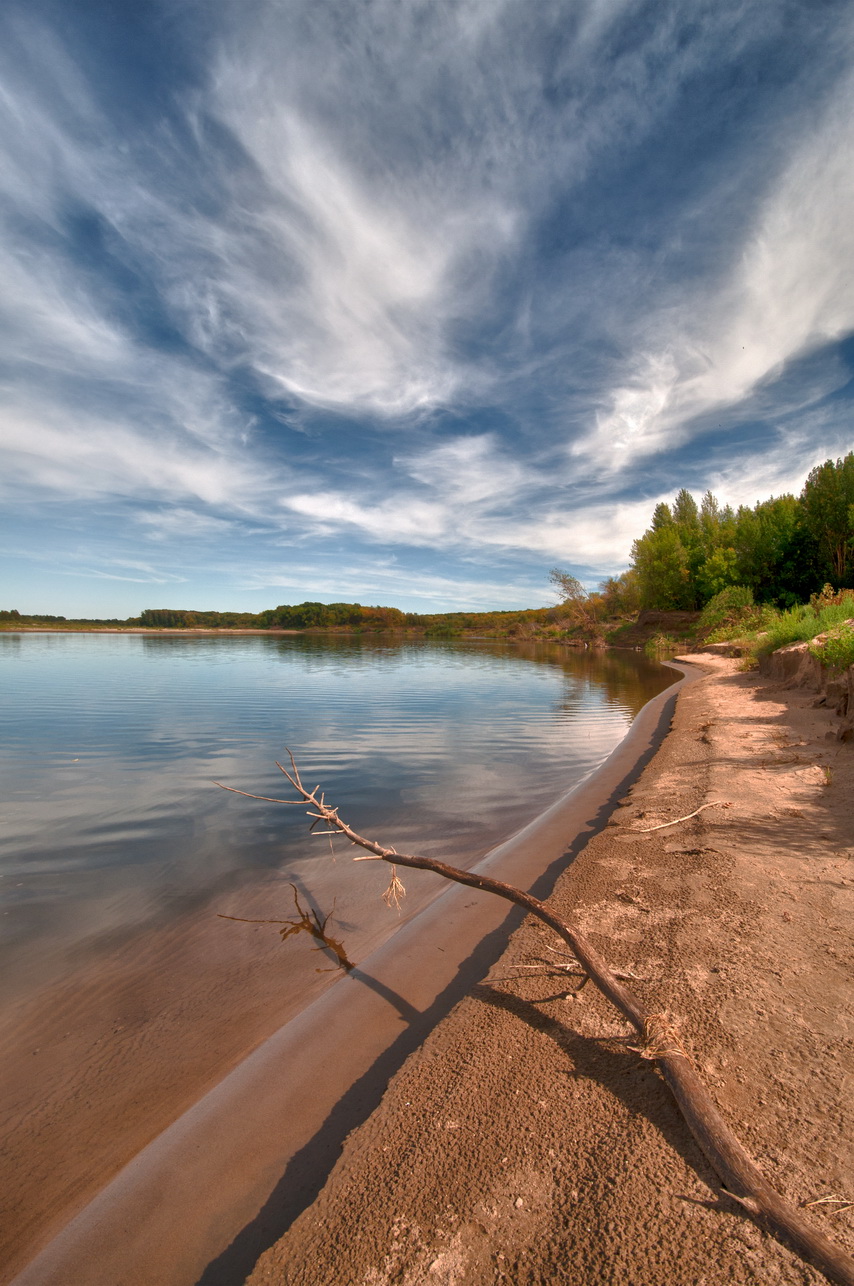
(110, 745)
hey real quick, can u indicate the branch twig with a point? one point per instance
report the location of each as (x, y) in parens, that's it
(646, 830)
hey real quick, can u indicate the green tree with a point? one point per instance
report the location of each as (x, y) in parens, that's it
(718, 571)
(777, 556)
(686, 516)
(717, 523)
(686, 519)
(661, 564)
(661, 516)
(828, 498)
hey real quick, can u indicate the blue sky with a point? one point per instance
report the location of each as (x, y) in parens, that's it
(405, 303)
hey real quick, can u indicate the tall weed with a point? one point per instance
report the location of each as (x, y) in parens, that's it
(837, 650)
(662, 645)
(800, 624)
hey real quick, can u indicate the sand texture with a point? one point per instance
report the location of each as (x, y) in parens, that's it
(526, 1141)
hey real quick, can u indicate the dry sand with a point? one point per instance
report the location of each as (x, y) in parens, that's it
(525, 1141)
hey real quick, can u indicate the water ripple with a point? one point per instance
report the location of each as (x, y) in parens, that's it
(110, 743)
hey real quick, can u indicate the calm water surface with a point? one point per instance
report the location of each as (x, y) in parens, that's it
(110, 744)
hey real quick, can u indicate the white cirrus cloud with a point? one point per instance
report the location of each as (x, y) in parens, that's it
(369, 581)
(95, 458)
(789, 290)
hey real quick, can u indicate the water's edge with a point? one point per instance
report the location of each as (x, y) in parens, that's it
(201, 1202)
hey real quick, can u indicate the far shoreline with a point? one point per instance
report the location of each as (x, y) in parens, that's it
(398, 635)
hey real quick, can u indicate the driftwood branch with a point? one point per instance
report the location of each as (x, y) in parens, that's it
(740, 1175)
(715, 803)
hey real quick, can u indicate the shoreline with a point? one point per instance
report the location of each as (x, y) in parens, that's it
(206, 1171)
(413, 634)
(524, 1141)
(144, 630)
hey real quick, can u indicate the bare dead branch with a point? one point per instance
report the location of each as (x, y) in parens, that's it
(842, 1204)
(269, 799)
(741, 1177)
(715, 803)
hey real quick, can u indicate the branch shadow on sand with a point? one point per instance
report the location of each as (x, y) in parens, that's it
(613, 1064)
(310, 1167)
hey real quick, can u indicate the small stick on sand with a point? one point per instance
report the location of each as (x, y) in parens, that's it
(716, 803)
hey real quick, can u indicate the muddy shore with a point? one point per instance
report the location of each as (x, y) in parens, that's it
(526, 1142)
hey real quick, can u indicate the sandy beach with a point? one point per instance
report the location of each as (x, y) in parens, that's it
(526, 1142)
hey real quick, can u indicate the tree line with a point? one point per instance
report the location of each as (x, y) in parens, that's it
(300, 616)
(339, 616)
(783, 549)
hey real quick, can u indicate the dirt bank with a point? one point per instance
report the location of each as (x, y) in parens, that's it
(526, 1142)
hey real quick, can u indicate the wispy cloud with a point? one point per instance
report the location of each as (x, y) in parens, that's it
(789, 289)
(439, 498)
(185, 524)
(472, 495)
(89, 565)
(96, 457)
(371, 582)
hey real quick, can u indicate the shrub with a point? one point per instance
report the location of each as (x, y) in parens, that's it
(662, 645)
(823, 599)
(800, 624)
(837, 650)
(728, 607)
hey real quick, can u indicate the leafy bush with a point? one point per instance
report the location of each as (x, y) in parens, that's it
(727, 607)
(837, 650)
(800, 624)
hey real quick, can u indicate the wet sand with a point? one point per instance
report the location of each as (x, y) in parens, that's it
(205, 1198)
(526, 1142)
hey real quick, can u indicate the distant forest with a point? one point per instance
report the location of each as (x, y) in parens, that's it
(337, 616)
(304, 616)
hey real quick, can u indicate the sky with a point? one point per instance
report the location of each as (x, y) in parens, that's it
(407, 301)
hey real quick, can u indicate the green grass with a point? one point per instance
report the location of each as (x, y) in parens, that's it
(763, 629)
(801, 624)
(837, 650)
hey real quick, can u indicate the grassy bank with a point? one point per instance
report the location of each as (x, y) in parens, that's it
(826, 622)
